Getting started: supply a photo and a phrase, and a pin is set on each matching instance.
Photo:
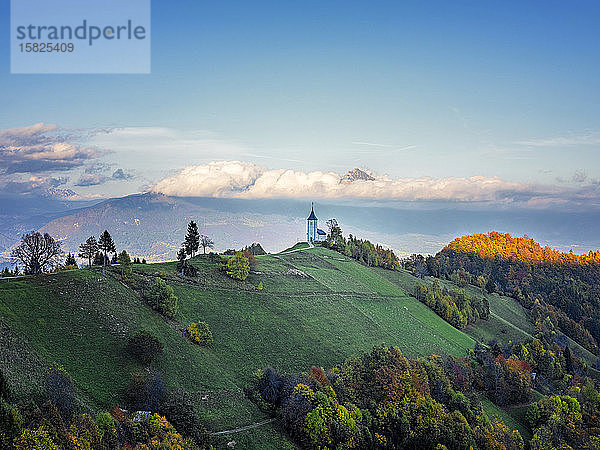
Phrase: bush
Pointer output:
(144, 347)
(238, 267)
(105, 423)
(162, 298)
(186, 269)
(178, 408)
(200, 333)
(251, 259)
(145, 392)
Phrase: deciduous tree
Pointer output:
(238, 267)
(37, 252)
(125, 263)
(88, 249)
(206, 242)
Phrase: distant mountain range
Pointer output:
(153, 225)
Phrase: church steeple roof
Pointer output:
(312, 213)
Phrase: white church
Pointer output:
(313, 233)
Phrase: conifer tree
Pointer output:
(70, 260)
(107, 245)
(192, 239)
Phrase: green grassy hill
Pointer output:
(317, 308)
(508, 321)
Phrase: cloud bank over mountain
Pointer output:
(238, 179)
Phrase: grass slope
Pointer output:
(508, 321)
(317, 308)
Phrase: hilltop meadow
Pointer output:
(296, 329)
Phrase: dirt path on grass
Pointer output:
(247, 427)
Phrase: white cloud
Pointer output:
(248, 180)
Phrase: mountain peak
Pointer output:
(355, 175)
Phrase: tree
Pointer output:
(192, 239)
(335, 239)
(251, 259)
(106, 245)
(181, 255)
(568, 360)
(331, 225)
(125, 263)
(144, 347)
(70, 260)
(35, 439)
(184, 268)
(145, 391)
(256, 249)
(161, 298)
(238, 267)
(98, 259)
(37, 252)
(206, 242)
(200, 333)
(178, 407)
(88, 249)
(490, 286)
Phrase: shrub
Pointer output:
(145, 391)
(251, 259)
(105, 423)
(162, 298)
(144, 346)
(200, 333)
(238, 267)
(186, 269)
(178, 408)
(260, 286)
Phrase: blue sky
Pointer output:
(405, 89)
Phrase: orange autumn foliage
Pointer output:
(522, 249)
